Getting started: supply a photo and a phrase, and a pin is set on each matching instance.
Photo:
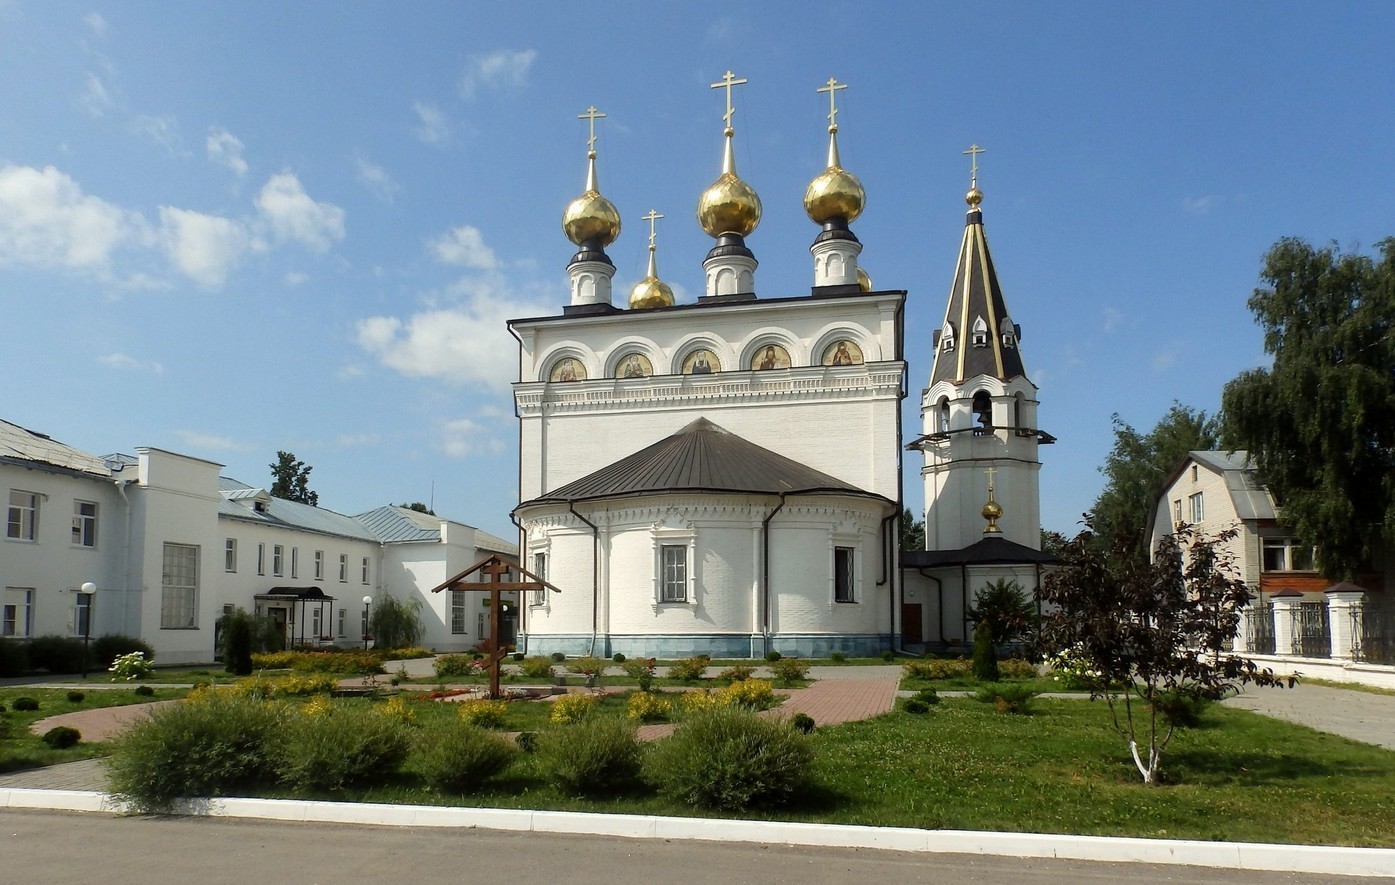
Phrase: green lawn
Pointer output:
(20, 749)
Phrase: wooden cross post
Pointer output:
(496, 570)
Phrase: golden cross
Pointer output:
(973, 152)
(831, 88)
(728, 80)
(652, 217)
(990, 471)
(591, 115)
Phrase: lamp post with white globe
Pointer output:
(89, 592)
(367, 602)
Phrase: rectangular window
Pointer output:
(457, 611)
(673, 573)
(843, 574)
(16, 617)
(22, 523)
(365, 570)
(319, 565)
(363, 622)
(82, 614)
(84, 524)
(316, 622)
(540, 570)
(277, 556)
(261, 559)
(179, 587)
(1198, 510)
(1177, 511)
(343, 622)
(482, 626)
(1287, 555)
(295, 562)
(230, 555)
(343, 568)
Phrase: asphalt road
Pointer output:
(56, 848)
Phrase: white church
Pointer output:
(725, 477)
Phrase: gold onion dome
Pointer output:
(834, 193)
(591, 219)
(864, 282)
(973, 197)
(730, 205)
(651, 291)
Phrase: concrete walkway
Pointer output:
(1360, 715)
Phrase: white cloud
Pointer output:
(464, 247)
(1113, 319)
(47, 221)
(95, 23)
(122, 361)
(225, 149)
(1200, 205)
(376, 179)
(462, 438)
(205, 441)
(349, 371)
(466, 344)
(498, 70)
(161, 131)
(1165, 358)
(293, 215)
(294, 278)
(433, 128)
(96, 98)
(203, 247)
(348, 441)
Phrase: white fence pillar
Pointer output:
(1342, 600)
(1286, 604)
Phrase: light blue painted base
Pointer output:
(716, 645)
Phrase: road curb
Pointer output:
(1254, 856)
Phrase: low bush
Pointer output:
(589, 665)
(689, 669)
(803, 722)
(295, 685)
(341, 662)
(929, 696)
(527, 741)
(409, 653)
(350, 745)
(888, 656)
(76, 697)
(1006, 697)
(789, 671)
(14, 658)
(597, 756)
(645, 706)
(24, 705)
(145, 691)
(736, 673)
(236, 640)
(57, 654)
(110, 646)
(558, 657)
(447, 666)
(837, 657)
(772, 656)
(61, 737)
(461, 759)
(985, 653)
(916, 707)
(755, 694)
(937, 668)
(618, 658)
(642, 671)
(517, 656)
(730, 759)
(396, 708)
(130, 667)
(536, 667)
(483, 713)
(210, 745)
(1016, 668)
(572, 708)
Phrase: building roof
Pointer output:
(1250, 497)
(991, 550)
(976, 296)
(393, 524)
(702, 457)
(20, 445)
(291, 514)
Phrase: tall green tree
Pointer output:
(1137, 468)
(912, 531)
(291, 480)
(418, 507)
(1320, 422)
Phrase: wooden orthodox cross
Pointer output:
(495, 572)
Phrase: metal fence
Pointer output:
(1261, 629)
(1373, 630)
(1312, 631)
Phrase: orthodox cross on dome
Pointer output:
(652, 217)
(832, 88)
(990, 472)
(591, 116)
(973, 152)
(728, 80)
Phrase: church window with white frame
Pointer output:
(673, 573)
(457, 612)
(179, 587)
(539, 597)
(844, 583)
(980, 337)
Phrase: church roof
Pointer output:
(992, 550)
(702, 457)
(976, 305)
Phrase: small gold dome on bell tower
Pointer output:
(651, 291)
(591, 219)
(730, 205)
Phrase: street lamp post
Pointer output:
(89, 590)
(367, 602)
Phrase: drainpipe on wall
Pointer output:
(765, 570)
(595, 575)
(522, 562)
(890, 546)
(126, 563)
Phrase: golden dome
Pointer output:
(591, 218)
(650, 292)
(730, 205)
(991, 510)
(835, 192)
(973, 197)
(864, 282)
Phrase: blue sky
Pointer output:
(228, 229)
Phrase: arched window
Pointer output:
(980, 332)
(983, 409)
(1017, 411)
(947, 336)
(944, 414)
(1009, 333)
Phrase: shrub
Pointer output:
(888, 656)
(597, 756)
(406, 654)
(1016, 668)
(483, 713)
(803, 722)
(350, 745)
(572, 708)
(1181, 709)
(62, 737)
(294, 685)
(985, 654)
(518, 656)
(928, 696)
(736, 673)
(558, 657)
(397, 623)
(937, 668)
(837, 657)
(14, 658)
(56, 654)
(589, 665)
(642, 671)
(646, 706)
(461, 759)
(916, 706)
(527, 741)
(618, 658)
(130, 667)
(25, 705)
(76, 697)
(536, 667)
(145, 691)
(110, 646)
(789, 671)
(1007, 697)
(696, 701)
(689, 669)
(772, 656)
(756, 694)
(731, 759)
(396, 708)
(236, 639)
(342, 662)
(206, 746)
(447, 666)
